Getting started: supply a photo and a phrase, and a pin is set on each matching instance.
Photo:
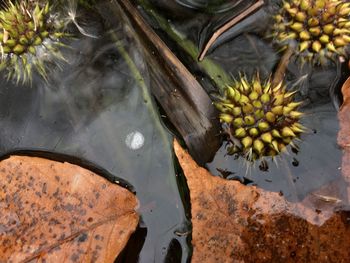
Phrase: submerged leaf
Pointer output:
(53, 211)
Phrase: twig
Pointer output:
(228, 25)
(282, 67)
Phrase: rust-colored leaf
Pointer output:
(344, 117)
(59, 212)
(237, 223)
(344, 133)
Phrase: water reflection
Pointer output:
(89, 110)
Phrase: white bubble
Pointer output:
(135, 140)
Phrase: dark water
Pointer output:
(94, 112)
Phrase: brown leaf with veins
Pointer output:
(59, 212)
(237, 223)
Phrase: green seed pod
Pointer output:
(266, 137)
(248, 108)
(244, 99)
(254, 132)
(10, 43)
(230, 92)
(328, 29)
(316, 46)
(278, 110)
(253, 95)
(259, 114)
(238, 122)
(296, 129)
(237, 96)
(32, 50)
(297, 26)
(263, 126)
(23, 41)
(300, 16)
(257, 104)
(44, 34)
(304, 45)
(237, 111)
(247, 142)
(286, 110)
(339, 42)
(275, 133)
(274, 145)
(313, 21)
(324, 39)
(258, 146)
(249, 120)
(294, 105)
(295, 114)
(37, 41)
(240, 133)
(304, 5)
(279, 98)
(270, 117)
(265, 98)
(287, 132)
(226, 118)
(18, 49)
(260, 125)
(304, 35)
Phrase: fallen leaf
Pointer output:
(59, 212)
(344, 134)
(344, 116)
(237, 223)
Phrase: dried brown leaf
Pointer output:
(237, 223)
(59, 212)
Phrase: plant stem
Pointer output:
(214, 71)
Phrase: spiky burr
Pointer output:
(316, 29)
(261, 120)
(30, 36)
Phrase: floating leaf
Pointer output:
(52, 211)
(237, 223)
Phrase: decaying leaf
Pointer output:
(59, 212)
(344, 132)
(344, 117)
(237, 223)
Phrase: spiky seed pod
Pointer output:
(317, 29)
(30, 36)
(264, 128)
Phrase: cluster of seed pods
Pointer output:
(262, 120)
(24, 26)
(318, 29)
